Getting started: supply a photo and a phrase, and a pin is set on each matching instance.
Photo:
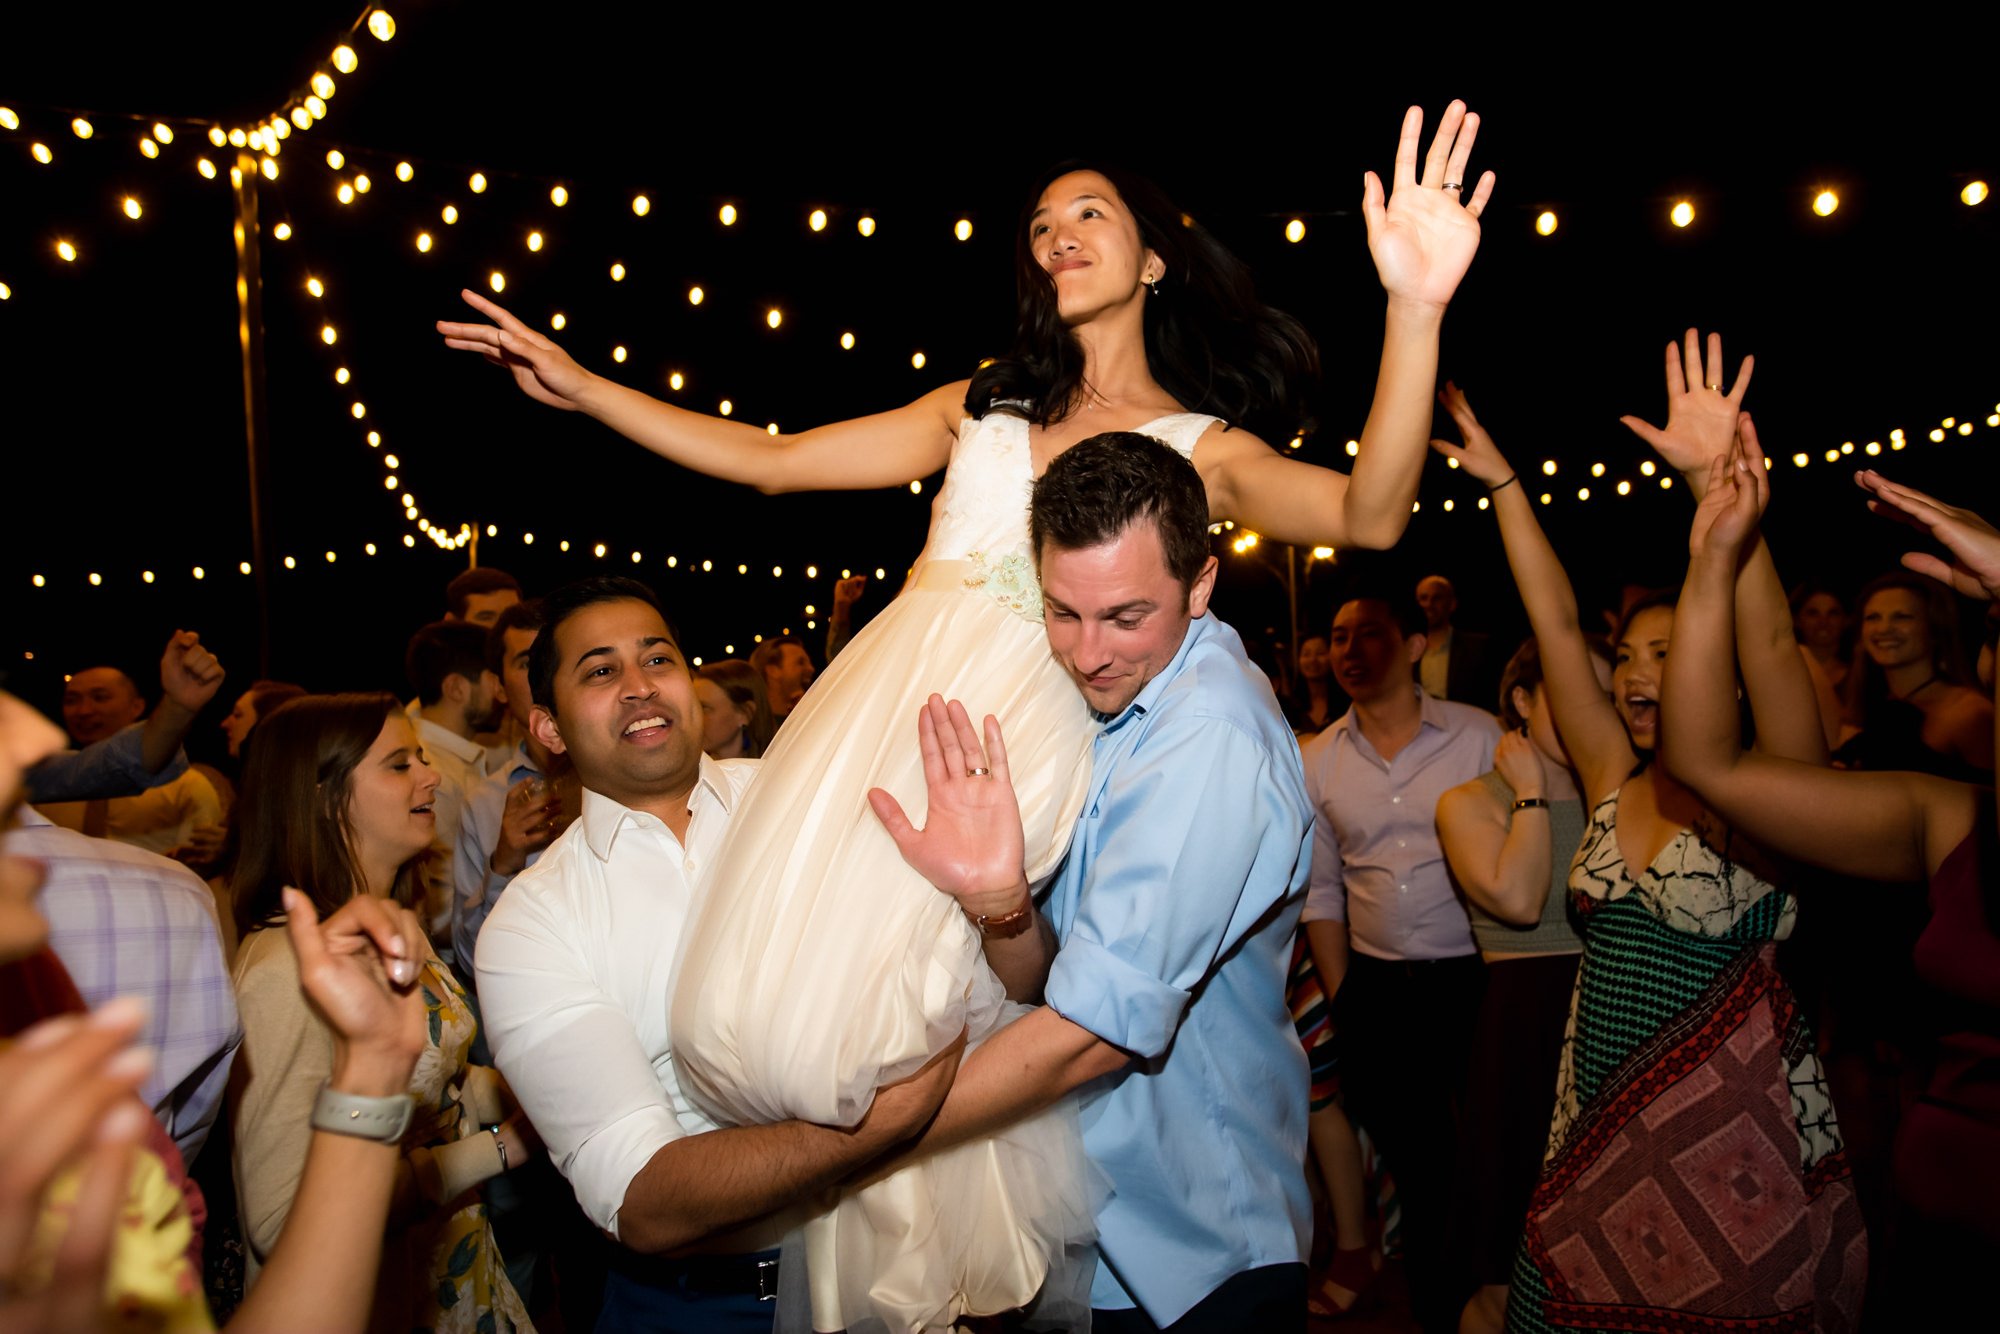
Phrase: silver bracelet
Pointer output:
(499, 1144)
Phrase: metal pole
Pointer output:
(256, 425)
(1292, 599)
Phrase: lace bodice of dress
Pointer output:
(983, 506)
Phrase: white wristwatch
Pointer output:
(381, 1119)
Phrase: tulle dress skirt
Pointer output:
(819, 966)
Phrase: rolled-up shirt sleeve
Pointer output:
(1199, 838)
(113, 767)
(571, 1056)
(1326, 898)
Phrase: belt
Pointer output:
(753, 1273)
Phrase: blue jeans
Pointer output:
(694, 1294)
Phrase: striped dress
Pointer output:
(1695, 1177)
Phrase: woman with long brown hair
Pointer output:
(337, 803)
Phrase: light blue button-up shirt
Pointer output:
(1175, 911)
(476, 884)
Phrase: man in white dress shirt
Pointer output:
(575, 978)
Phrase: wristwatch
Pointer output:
(380, 1119)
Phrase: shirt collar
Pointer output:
(1430, 713)
(603, 816)
(463, 749)
(1199, 628)
(524, 765)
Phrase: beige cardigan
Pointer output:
(287, 1055)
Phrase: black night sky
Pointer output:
(124, 416)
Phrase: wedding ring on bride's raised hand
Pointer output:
(1454, 185)
(977, 773)
(1716, 387)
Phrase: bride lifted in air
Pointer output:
(818, 966)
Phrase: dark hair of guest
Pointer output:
(567, 601)
(479, 581)
(441, 649)
(1524, 672)
(1210, 342)
(291, 821)
(1098, 487)
(513, 616)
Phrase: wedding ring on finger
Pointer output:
(977, 773)
(1454, 185)
(1716, 387)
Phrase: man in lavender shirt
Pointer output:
(1388, 932)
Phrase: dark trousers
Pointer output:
(1405, 1033)
(695, 1294)
(1271, 1300)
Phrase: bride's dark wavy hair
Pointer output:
(1209, 341)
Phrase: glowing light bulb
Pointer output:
(358, 411)
(316, 108)
(557, 321)
(1825, 202)
(381, 26)
(345, 194)
(1484, 502)
(559, 196)
(728, 215)
(449, 214)
(497, 281)
(96, 579)
(318, 288)
(847, 341)
(1874, 448)
(269, 166)
(1546, 498)
(812, 572)
(131, 208)
(726, 407)
(1583, 493)
(916, 488)
(302, 118)
(1683, 214)
(408, 540)
(344, 59)
(1546, 224)
(322, 84)
(962, 229)
(238, 139)
(817, 220)
(42, 155)
(1295, 230)
(391, 461)
(534, 240)
(1597, 470)
(423, 243)
(477, 183)
(328, 335)
(200, 573)
(1353, 448)
(597, 550)
(82, 128)
(617, 273)
(1666, 484)
(1801, 460)
(618, 354)
(1447, 507)
(291, 564)
(774, 317)
(368, 547)
(1937, 436)
(66, 251)
(1648, 468)
(641, 205)
(6, 292)
(771, 429)
(218, 136)
(1548, 467)
(362, 184)
(9, 121)
(375, 441)
(695, 295)
(1974, 193)
(916, 361)
(1965, 428)
(676, 380)
(283, 231)
(389, 482)
(1624, 488)
(148, 148)
(405, 172)
(527, 539)
(243, 567)
(866, 226)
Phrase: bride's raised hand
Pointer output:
(1424, 236)
(1478, 455)
(1701, 417)
(544, 371)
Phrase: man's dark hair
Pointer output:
(519, 616)
(566, 602)
(476, 582)
(766, 655)
(1403, 607)
(441, 649)
(1098, 487)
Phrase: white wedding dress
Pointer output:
(819, 966)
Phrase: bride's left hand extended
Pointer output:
(971, 845)
(1423, 238)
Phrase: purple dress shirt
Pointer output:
(1376, 861)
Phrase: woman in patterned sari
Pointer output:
(1695, 1177)
(337, 801)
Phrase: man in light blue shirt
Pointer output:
(1162, 946)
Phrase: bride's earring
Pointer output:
(1153, 285)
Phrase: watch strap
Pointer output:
(1532, 804)
(380, 1119)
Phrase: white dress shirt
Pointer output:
(575, 969)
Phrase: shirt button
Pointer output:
(1402, 889)
(1395, 801)
(1401, 844)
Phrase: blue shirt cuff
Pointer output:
(1125, 1006)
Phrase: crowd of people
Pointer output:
(1030, 957)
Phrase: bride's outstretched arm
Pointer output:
(1422, 238)
(886, 449)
